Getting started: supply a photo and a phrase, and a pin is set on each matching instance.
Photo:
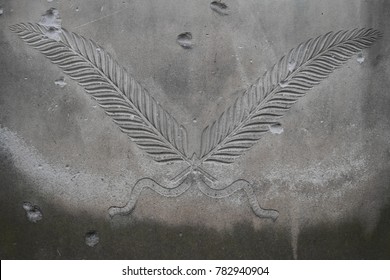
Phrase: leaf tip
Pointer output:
(14, 27)
(379, 34)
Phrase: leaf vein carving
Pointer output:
(272, 95)
(131, 107)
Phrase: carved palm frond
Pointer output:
(132, 108)
(252, 114)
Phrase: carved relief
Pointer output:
(156, 132)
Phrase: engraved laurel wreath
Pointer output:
(156, 132)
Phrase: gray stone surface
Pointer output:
(325, 168)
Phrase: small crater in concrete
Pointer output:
(1, 11)
(53, 33)
(51, 18)
(27, 206)
(92, 238)
(60, 82)
(283, 84)
(360, 58)
(276, 128)
(52, 21)
(33, 213)
(185, 40)
(291, 65)
(219, 7)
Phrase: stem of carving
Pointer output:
(179, 189)
(235, 187)
(190, 169)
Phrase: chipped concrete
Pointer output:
(325, 167)
(33, 213)
(219, 7)
(185, 40)
(60, 82)
(92, 238)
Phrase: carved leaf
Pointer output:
(252, 114)
(132, 108)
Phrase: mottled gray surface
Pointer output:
(326, 172)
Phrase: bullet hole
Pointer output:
(33, 213)
(185, 40)
(276, 128)
(60, 82)
(219, 7)
(360, 58)
(92, 238)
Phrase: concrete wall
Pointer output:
(327, 173)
